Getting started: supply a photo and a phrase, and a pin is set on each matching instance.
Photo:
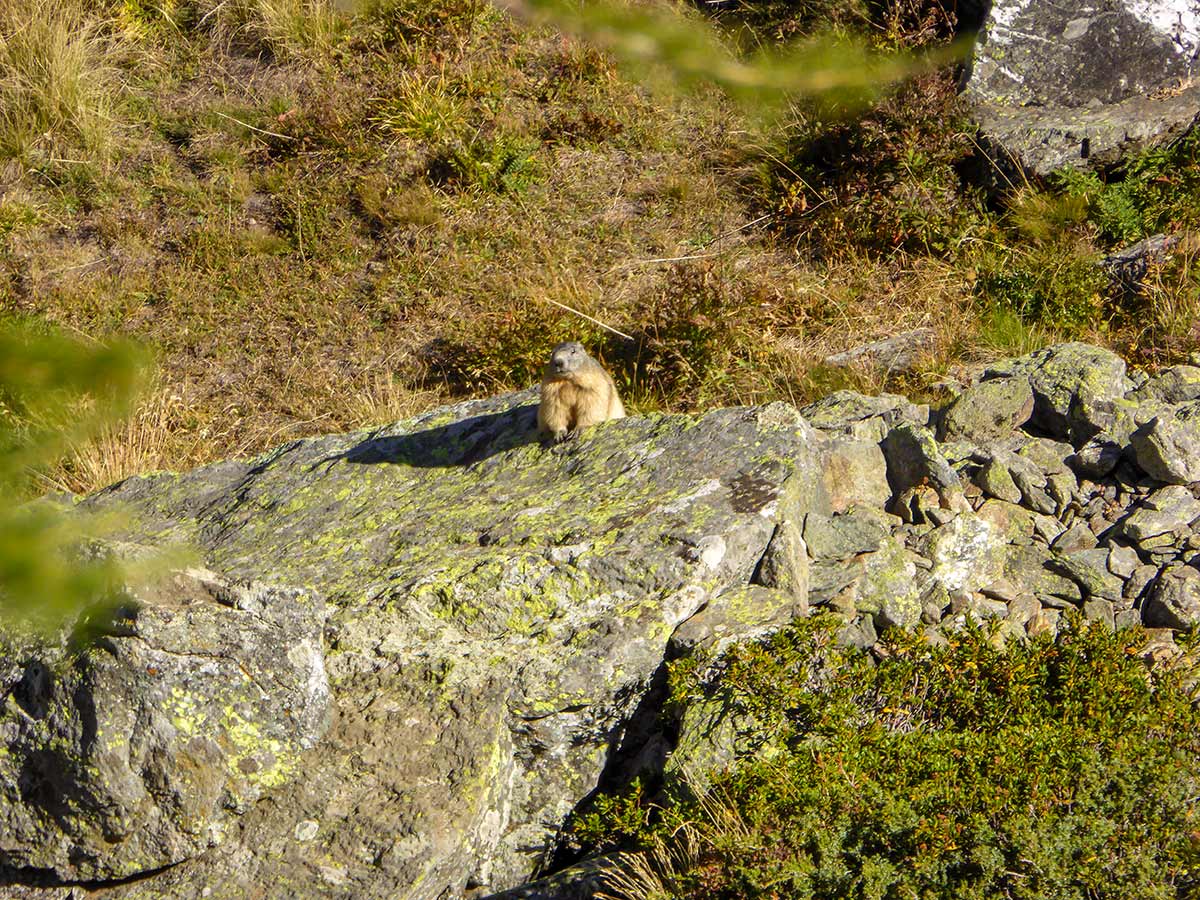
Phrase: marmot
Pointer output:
(576, 393)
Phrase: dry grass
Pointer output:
(321, 223)
(155, 436)
(57, 82)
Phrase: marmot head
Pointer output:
(567, 357)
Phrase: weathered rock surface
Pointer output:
(499, 611)
(132, 755)
(1058, 84)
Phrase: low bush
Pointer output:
(1045, 769)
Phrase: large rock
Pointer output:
(501, 611)
(1059, 84)
(1168, 446)
(1077, 388)
(135, 753)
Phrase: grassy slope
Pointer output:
(320, 222)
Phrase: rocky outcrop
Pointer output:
(500, 613)
(499, 617)
(199, 698)
(1057, 84)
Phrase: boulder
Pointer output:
(1074, 388)
(1174, 599)
(136, 752)
(500, 611)
(988, 411)
(1167, 448)
(1058, 84)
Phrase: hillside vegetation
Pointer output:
(321, 218)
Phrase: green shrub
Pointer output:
(1156, 191)
(1050, 769)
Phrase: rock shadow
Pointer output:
(459, 443)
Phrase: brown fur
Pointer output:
(576, 393)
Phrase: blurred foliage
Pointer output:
(54, 392)
(837, 68)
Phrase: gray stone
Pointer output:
(1126, 619)
(1070, 382)
(1122, 561)
(900, 353)
(1045, 622)
(966, 552)
(137, 753)
(843, 536)
(1098, 457)
(889, 588)
(988, 411)
(1174, 599)
(1165, 512)
(1178, 384)
(995, 479)
(1057, 85)
(1078, 537)
(1031, 569)
(735, 616)
(1139, 581)
(855, 474)
(785, 566)
(914, 459)
(1167, 448)
(847, 414)
(1099, 612)
(1088, 569)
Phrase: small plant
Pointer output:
(501, 164)
(424, 108)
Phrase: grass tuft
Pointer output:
(57, 83)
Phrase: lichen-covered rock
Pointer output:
(735, 616)
(848, 414)
(1178, 384)
(1074, 388)
(1061, 84)
(988, 411)
(855, 474)
(1168, 511)
(500, 610)
(1174, 599)
(1168, 446)
(843, 536)
(784, 565)
(967, 553)
(888, 588)
(133, 754)
(914, 460)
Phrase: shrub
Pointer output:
(1048, 769)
